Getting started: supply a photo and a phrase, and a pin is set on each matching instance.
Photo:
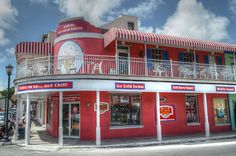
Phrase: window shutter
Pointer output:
(219, 60)
(197, 58)
(165, 55)
(149, 57)
(206, 59)
(181, 57)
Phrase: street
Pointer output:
(210, 148)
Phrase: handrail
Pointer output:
(123, 66)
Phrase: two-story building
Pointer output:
(146, 84)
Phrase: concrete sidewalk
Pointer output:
(40, 140)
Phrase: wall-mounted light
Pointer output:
(87, 104)
(157, 46)
(123, 42)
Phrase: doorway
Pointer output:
(71, 120)
(123, 60)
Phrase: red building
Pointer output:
(147, 85)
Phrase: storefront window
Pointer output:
(125, 110)
(220, 106)
(191, 109)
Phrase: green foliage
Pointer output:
(3, 94)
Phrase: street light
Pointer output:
(9, 70)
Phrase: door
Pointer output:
(123, 60)
(71, 120)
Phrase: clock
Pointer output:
(70, 57)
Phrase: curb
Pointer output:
(124, 145)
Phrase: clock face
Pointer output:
(70, 57)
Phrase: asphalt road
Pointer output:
(212, 148)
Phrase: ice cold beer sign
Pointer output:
(133, 86)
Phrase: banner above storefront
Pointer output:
(123, 86)
(45, 86)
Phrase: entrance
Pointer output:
(71, 120)
(123, 60)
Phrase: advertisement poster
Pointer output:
(167, 112)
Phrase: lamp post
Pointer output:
(9, 70)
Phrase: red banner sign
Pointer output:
(183, 87)
(70, 27)
(43, 86)
(167, 113)
(138, 86)
(67, 98)
(225, 89)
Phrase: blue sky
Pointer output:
(27, 20)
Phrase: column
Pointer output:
(207, 129)
(98, 128)
(60, 137)
(27, 124)
(159, 134)
(146, 61)
(16, 134)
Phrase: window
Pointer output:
(125, 110)
(130, 25)
(188, 57)
(220, 106)
(191, 109)
(157, 54)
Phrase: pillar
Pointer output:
(98, 128)
(16, 134)
(60, 119)
(159, 134)
(27, 124)
(207, 129)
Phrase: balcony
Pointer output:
(126, 67)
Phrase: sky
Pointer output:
(27, 20)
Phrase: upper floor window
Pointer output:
(188, 57)
(157, 54)
(130, 25)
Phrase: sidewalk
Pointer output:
(40, 140)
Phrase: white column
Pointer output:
(60, 119)
(159, 134)
(207, 129)
(146, 61)
(98, 129)
(17, 118)
(27, 124)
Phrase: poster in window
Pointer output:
(221, 110)
(167, 112)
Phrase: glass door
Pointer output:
(75, 120)
(71, 120)
(123, 60)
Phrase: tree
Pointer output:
(3, 94)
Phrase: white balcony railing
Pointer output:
(123, 66)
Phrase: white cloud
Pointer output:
(192, 20)
(10, 52)
(93, 10)
(39, 1)
(7, 18)
(232, 6)
(144, 9)
(3, 39)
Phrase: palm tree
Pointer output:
(3, 94)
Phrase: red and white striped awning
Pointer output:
(40, 48)
(136, 36)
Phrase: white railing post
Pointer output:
(171, 68)
(216, 77)
(26, 64)
(234, 72)
(49, 64)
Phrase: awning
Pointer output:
(40, 48)
(151, 38)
